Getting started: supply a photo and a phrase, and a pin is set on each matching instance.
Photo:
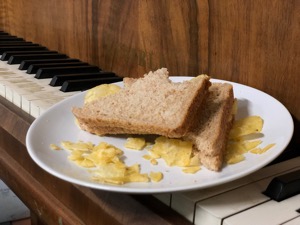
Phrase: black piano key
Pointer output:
(284, 186)
(3, 33)
(51, 72)
(58, 80)
(6, 55)
(12, 42)
(26, 63)
(17, 43)
(84, 84)
(32, 69)
(9, 38)
(17, 59)
(21, 48)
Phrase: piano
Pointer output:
(72, 47)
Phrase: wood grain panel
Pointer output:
(127, 37)
(248, 41)
(257, 43)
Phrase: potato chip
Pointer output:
(135, 143)
(100, 91)
(79, 146)
(241, 147)
(85, 163)
(235, 159)
(105, 159)
(154, 155)
(76, 155)
(191, 169)
(175, 152)
(268, 147)
(147, 157)
(110, 173)
(55, 147)
(241, 139)
(156, 176)
(153, 162)
(137, 177)
(262, 150)
(245, 126)
(195, 161)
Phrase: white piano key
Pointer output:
(185, 202)
(214, 210)
(2, 90)
(294, 221)
(25, 91)
(271, 212)
(30, 102)
(37, 107)
(9, 93)
(5, 73)
(15, 90)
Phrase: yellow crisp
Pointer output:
(191, 169)
(76, 155)
(147, 157)
(79, 146)
(262, 150)
(110, 173)
(175, 152)
(154, 155)
(55, 147)
(104, 153)
(156, 176)
(105, 159)
(245, 126)
(153, 162)
(235, 159)
(135, 143)
(241, 147)
(100, 91)
(195, 161)
(133, 174)
(268, 147)
(85, 163)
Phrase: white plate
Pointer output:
(57, 124)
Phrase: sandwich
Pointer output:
(194, 110)
(210, 130)
(149, 105)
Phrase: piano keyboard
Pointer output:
(241, 202)
(34, 78)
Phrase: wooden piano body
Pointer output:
(250, 42)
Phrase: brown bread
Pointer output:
(209, 133)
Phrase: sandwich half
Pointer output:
(210, 131)
(149, 105)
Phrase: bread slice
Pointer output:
(210, 131)
(149, 105)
